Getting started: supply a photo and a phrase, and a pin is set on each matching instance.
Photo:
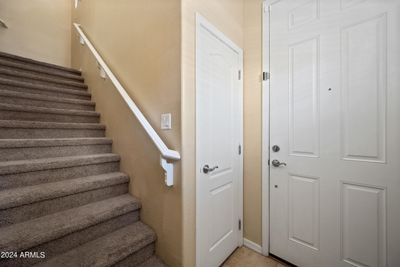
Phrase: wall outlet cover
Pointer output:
(166, 121)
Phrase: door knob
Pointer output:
(207, 169)
(277, 163)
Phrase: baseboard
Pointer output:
(251, 245)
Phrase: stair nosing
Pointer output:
(41, 97)
(155, 259)
(20, 124)
(31, 165)
(10, 73)
(53, 142)
(28, 234)
(16, 197)
(57, 73)
(42, 87)
(38, 62)
(46, 110)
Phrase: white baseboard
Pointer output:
(251, 245)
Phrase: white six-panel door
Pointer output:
(218, 141)
(335, 114)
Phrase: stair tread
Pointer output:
(40, 78)
(106, 250)
(20, 166)
(25, 235)
(45, 97)
(16, 197)
(49, 125)
(18, 143)
(37, 62)
(35, 109)
(43, 87)
(54, 72)
(153, 261)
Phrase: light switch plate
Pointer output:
(166, 121)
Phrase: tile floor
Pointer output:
(244, 257)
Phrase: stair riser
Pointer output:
(25, 153)
(44, 103)
(75, 239)
(21, 133)
(50, 74)
(138, 257)
(59, 94)
(49, 117)
(34, 210)
(54, 175)
(36, 65)
(57, 82)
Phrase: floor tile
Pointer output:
(244, 257)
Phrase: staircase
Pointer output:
(61, 191)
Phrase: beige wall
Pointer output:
(227, 16)
(140, 40)
(38, 29)
(252, 119)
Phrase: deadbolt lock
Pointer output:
(276, 148)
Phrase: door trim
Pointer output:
(203, 22)
(265, 212)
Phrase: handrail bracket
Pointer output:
(169, 171)
(3, 24)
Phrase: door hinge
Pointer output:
(240, 224)
(267, 8)
(240, 74)
(266, 76)
(240, 150)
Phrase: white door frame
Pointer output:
(202, 22)
(265, 128)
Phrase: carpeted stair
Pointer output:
(61, 191)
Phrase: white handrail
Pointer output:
(2, 23)
(166, 153)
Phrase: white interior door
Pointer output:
(219, 135)
(335, 114)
